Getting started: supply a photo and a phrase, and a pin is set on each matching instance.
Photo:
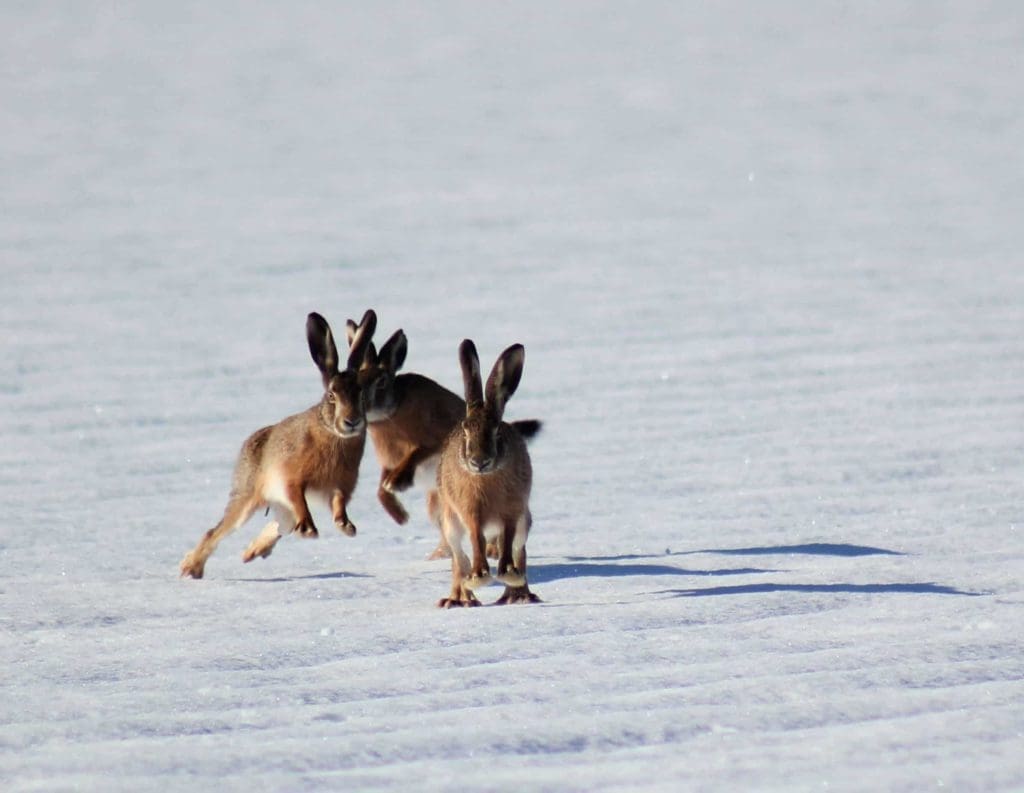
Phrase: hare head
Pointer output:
(482, 451)
(378, 371)
(342, 406)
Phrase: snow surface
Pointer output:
(766, 262)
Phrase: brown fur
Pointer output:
(410, 417)
(318, 451)
(484, 478)
(425, 413)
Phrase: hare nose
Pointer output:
(352, 424)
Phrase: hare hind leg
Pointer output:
(263, 543)
(442, 551)
(237, 512)
(460, 595)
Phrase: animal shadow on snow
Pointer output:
(541, 573)
(611, 566)
(927, 588)
(307, 577)
(810, 549)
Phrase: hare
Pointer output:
(409, 418)
(315, 451)
(483, 478)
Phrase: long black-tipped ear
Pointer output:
(470, 363)
(361, 339)
(504, 379)
(392, 354)
(321, 346)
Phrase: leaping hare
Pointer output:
(316, 451)
(484, 479)
(409, 418)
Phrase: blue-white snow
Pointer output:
(766, 262)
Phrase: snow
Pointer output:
(765, 260)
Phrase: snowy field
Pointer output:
(766, 261)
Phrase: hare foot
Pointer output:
(518, 594)
(263, 544)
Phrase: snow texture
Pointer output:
(766, 262)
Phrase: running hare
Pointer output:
(484, 478)
(409, 417)
(316, 451)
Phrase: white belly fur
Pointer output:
(274, 493)
(426, 473)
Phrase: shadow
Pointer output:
(309, 577)
(856, 589)
(811, 549)
(542, 573)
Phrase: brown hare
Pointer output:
(317, 452)
(483, 478)
(409, 418)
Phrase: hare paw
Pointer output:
(191, 567)
(468, 601)
(263, 544)
(346, 527)
(511, 577)
(518, 594)
(478, 579)
(392, 506)
(397, 483)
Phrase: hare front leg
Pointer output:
(460, 594)
(402, 475)
(508, 571)
(519, 593)
(389, 500)
(295, 501)
(341, 519)
(480, 574)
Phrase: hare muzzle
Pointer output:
(480, 465)
(351, 427)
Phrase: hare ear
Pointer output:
(504, 379)
(321, 346)
(470, 363)
(370, 359)
(392, 354)
(361, 340)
